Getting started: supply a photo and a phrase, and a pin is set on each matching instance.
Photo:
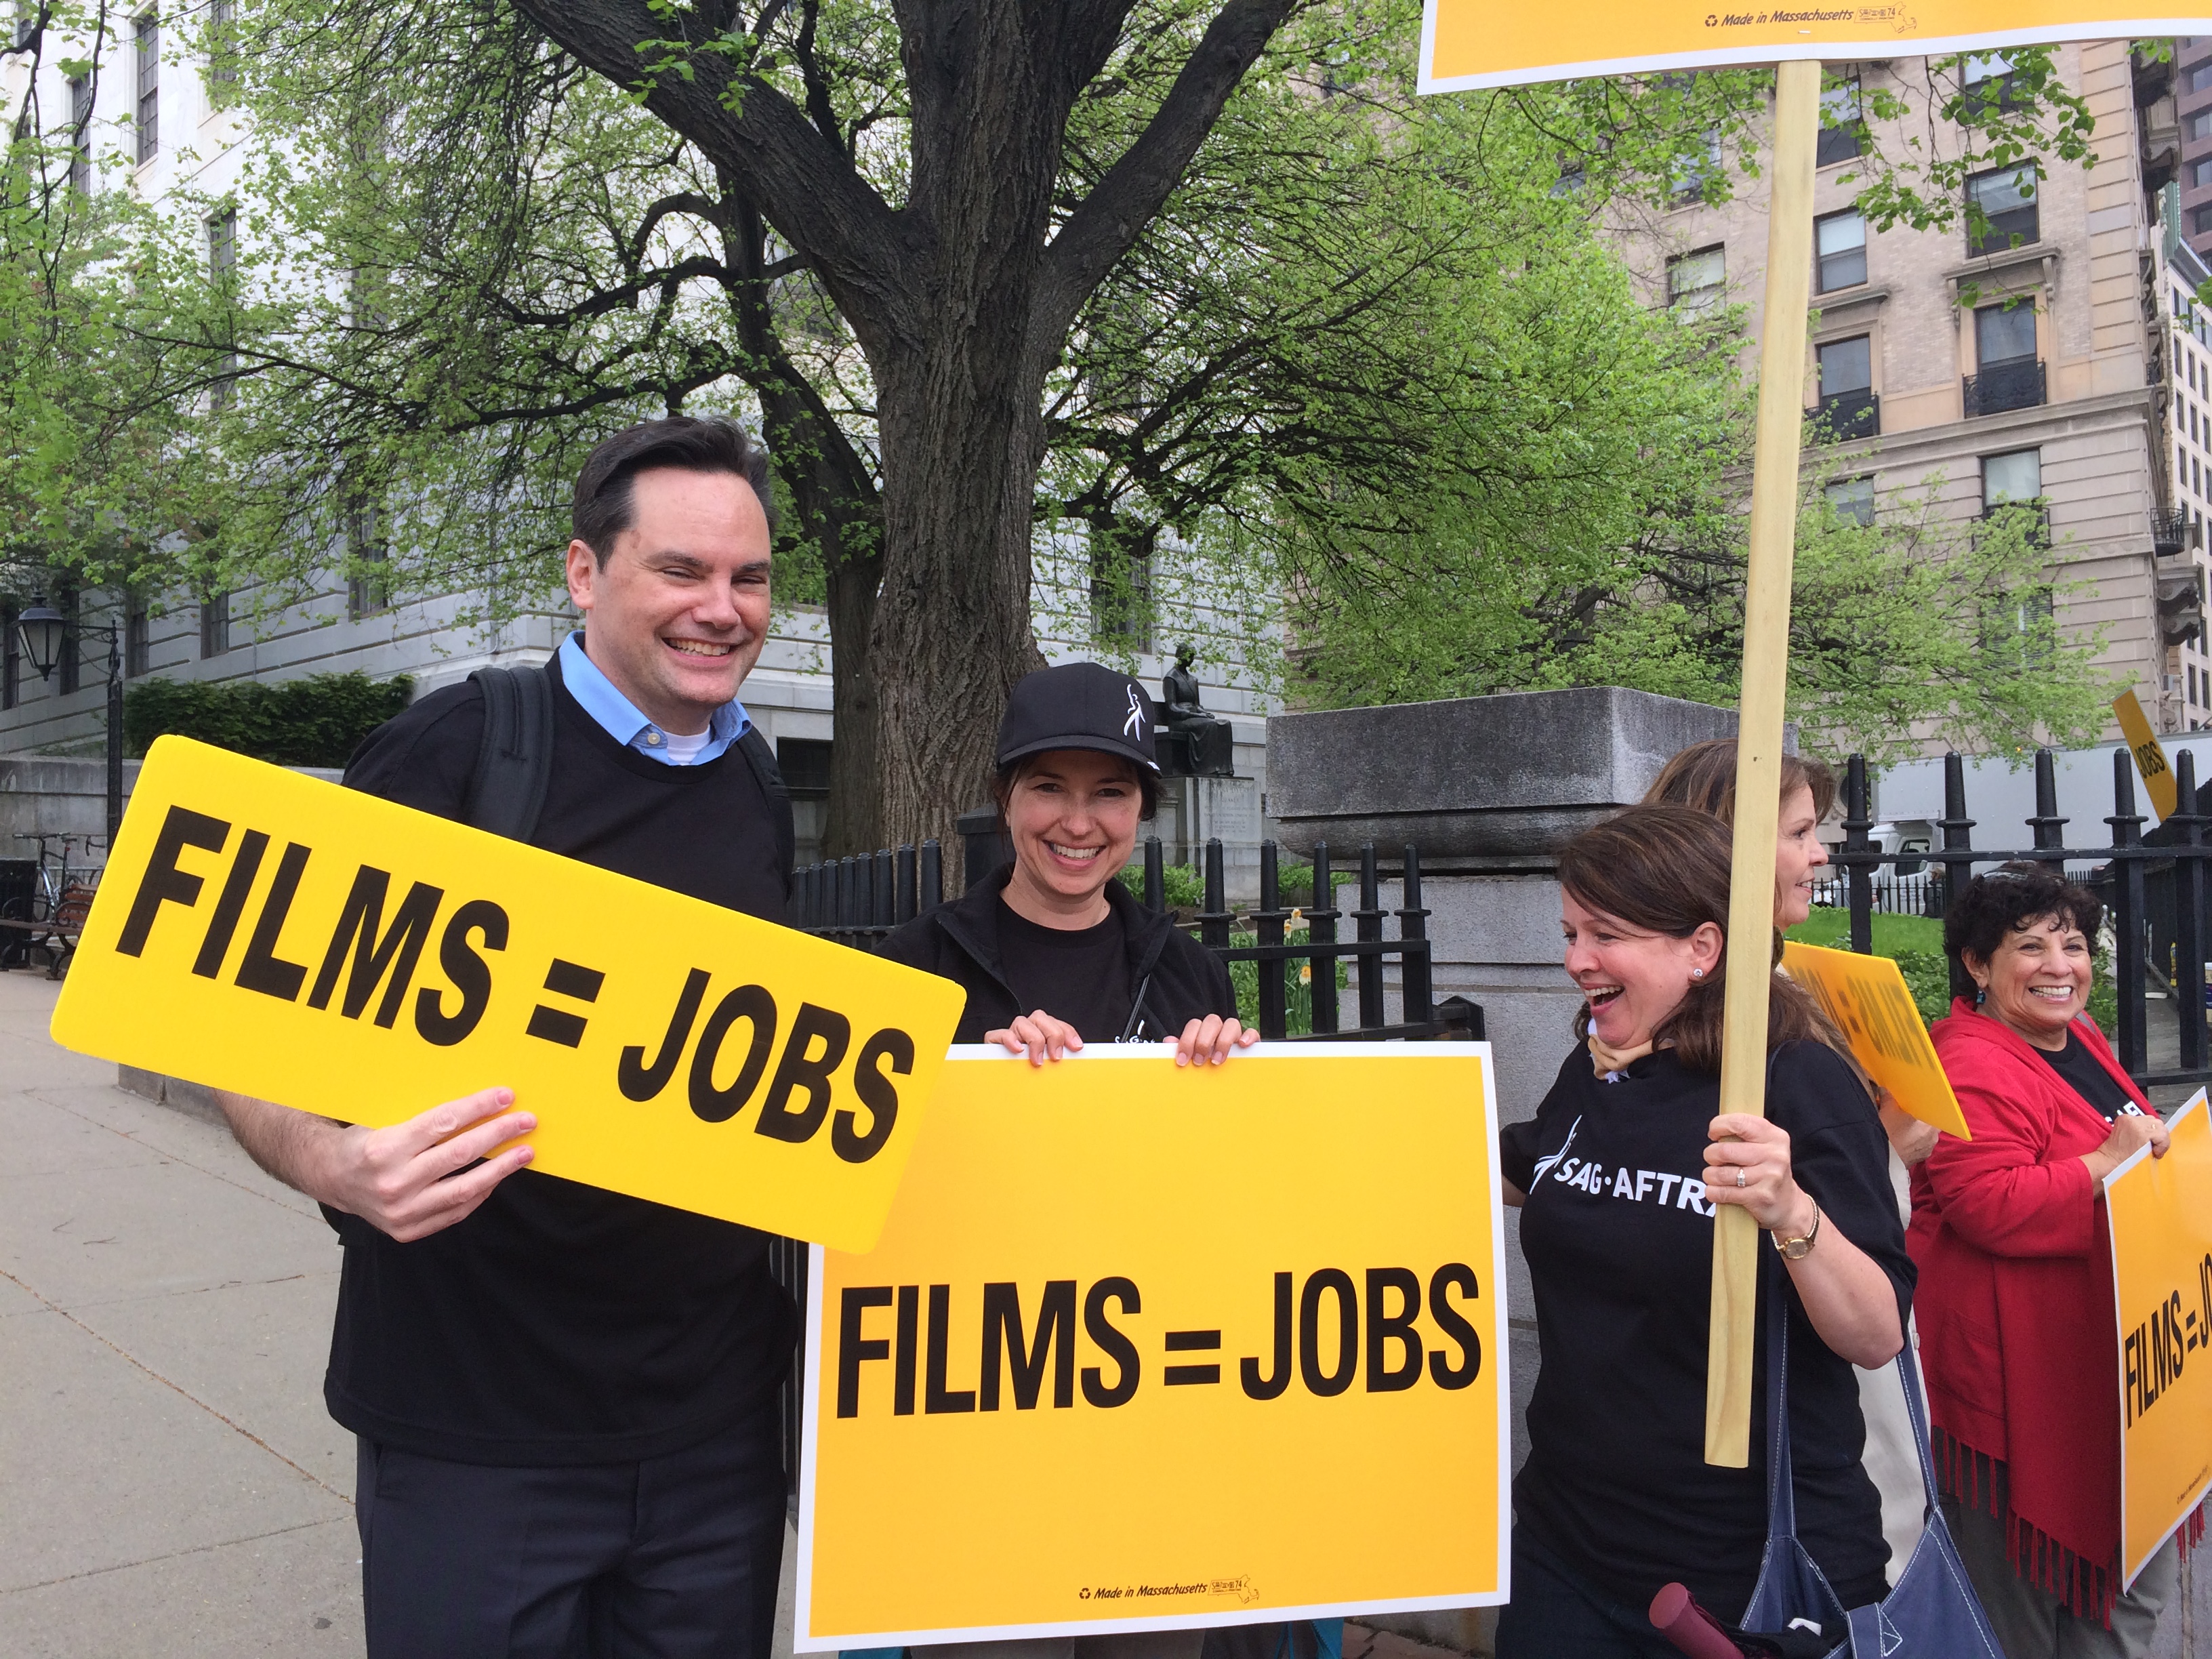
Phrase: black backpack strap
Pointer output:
(762, 759)
(515, 759)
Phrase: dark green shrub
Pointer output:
(315, 721)
(1185, 888)
(1928, 976)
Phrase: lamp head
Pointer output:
(44, 631)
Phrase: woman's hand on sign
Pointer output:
(414, 1179)
(2130, 1133)
(1210, 1041)
(1040, 1035)
(1747, 1162)
(1912, 1138)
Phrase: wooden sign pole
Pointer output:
(1759, 734)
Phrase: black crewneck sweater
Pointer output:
(561, 1324)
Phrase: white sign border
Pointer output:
(803, 1640)
(1750, 56)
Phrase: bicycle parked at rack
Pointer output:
(50, 917)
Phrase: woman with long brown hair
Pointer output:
(1703, 777)
(1620, 1176)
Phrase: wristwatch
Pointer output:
(1796, 1250)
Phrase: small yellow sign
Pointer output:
(1867, 998)
(1470, 43)
(1135, 1332)
(2150, 755)
(277, 936)
(2161, 1220)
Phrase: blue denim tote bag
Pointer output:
(1932, 1613)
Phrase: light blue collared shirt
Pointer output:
(620, 719)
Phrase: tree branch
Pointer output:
(1110, 220)
(853, 241)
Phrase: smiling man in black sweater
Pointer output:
(565, 1399)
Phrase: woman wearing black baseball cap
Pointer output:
(1051, 948)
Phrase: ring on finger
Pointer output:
(1739, 1175)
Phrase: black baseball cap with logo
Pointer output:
(1079, 705)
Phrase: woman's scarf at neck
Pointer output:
(1605, 1061)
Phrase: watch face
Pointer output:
(1797, 1249)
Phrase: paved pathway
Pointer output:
(170, 1483)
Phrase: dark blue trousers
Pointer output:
(668, 1559)
(1555, 1615)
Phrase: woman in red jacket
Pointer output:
(2015, 1300)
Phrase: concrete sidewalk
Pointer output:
(170, 1483)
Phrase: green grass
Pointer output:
(1892, 934)
(1916, 944)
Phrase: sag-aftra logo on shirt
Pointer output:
(1637, 1186)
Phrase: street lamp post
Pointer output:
(46, 634)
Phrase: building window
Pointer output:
(2200, 219)
(149, 123)
(223, 244)
(1839, 246)
(2197, 77)
(2014, 475)
(1696, 281)
(214, 624)
(1839, 123)
(1988, 85)
(222, 261)
(221, 50)
(2200, 174)
(2007, 373)
(804, 763)
(2007, 200)
(1847, 366)
(80, 90)
(1694, 172)
(1852, 499)
(2004, 333)
(138, 636)
(368, 578)
(2198, 127)
(1847, 406)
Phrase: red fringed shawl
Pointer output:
(2015, 1309)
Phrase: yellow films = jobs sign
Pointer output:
(1135, 1335)
(2157, 773)
(277, 936)
(2161, 1218)
(1473, 43)
(1867, 998)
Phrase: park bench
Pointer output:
(56, 935)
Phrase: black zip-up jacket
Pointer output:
(1177, 979)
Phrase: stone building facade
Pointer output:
(2033, 367)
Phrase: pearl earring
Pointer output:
(1697, 973)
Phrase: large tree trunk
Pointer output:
(959, 399)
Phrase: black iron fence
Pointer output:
(2155, 886)
(858, 901)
